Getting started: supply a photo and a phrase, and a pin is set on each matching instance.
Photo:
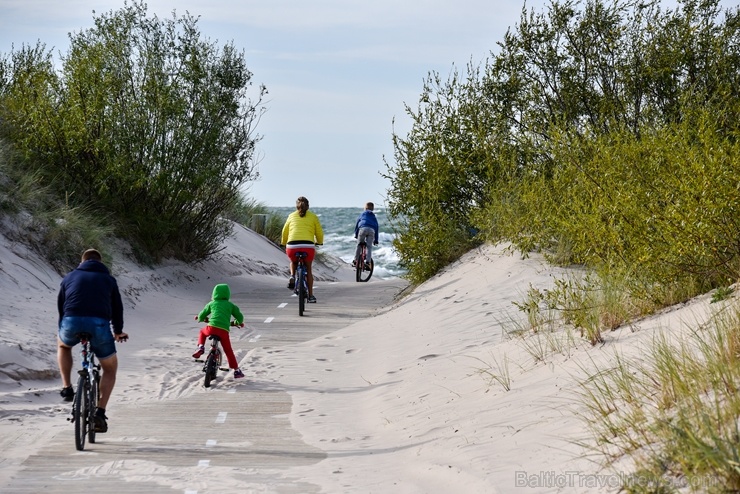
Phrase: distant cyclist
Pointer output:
(89, 301)
(302, 232)
(366, 230)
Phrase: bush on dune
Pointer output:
(145, 122)
(604, 137)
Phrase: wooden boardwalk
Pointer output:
(229, 439)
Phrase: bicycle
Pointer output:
(363, 268)
(87, 396)
(212, 362)
(301, 286)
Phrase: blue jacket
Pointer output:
(367, 219)
(91, 291)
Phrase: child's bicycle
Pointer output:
(363, 267)
(212, 362)
(87, 395)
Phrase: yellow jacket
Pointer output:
(306, 229)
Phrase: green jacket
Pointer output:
(219, 310)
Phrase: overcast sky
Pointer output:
(338, 73)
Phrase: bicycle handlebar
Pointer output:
(232, 323)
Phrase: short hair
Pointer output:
(369, 206)
(91, 254)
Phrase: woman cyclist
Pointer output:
(302, 233)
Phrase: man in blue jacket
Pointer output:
(366, 230)
(89, 301)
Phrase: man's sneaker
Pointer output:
(199, 352)
(68, 394)
(354, 263)
(291, 283)
(367, 266)
(100, 421)
(238, 373)
(311, 299)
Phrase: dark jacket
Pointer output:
(367, 219)
(91, 291)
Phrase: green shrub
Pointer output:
(244, 210)
(145, 121)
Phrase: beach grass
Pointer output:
(667, 413)
(673, 409)
(495, 370)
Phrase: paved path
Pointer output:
(242, 443)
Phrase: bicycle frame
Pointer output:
(363, 274)
(213, 361)
(301, 287)
(87, 395)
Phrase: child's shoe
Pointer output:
(199, 352)
(238, 373)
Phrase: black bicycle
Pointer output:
(87, 396)
(363, 267)
(212, 362)
(301, 285)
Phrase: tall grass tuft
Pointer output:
(496, 371)
(590, 303)
(36, 217)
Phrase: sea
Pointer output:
(339, 237)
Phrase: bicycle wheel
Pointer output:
(216, 364)
(80, 413)
(302, 290)
(211, 368)
(93, 394)
(367, 273)
(360, 264)
(363, 273)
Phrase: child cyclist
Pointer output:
(366, 230)
(218, 313)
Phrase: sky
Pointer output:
(339, 74)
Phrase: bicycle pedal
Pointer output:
(225, 369)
